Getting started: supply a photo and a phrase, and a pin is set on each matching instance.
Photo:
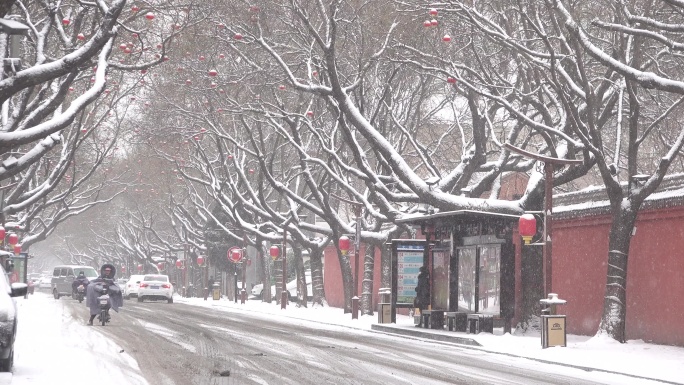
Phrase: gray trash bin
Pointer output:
(385, 307)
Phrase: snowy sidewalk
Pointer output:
(52, 348)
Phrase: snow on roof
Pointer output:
(594, 199)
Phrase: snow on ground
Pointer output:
(52, 348)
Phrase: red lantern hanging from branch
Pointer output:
(200, 260)
(160, 266)
(2, 234)
(17, 248)
(140, 267)
(179, 264)
(13, 239)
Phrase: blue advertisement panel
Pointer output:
(409, 261)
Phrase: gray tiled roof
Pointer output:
(594, 201)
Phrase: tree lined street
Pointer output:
(158, 135)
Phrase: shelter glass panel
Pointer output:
(467, 258)
(440, 279)
(490, 278)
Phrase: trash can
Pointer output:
(216, 292)
(385, 307)
(553, 331)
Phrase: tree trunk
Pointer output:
(347, 280)
(615, 300)
(317, 277)
(386, 266)
(302, 295)
(532, 278)
(367, 286)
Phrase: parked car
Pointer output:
(257, 290)
(155, 287)
(8, 319)
(63, 277)
(130, 288)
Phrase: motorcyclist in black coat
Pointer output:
(80, 280)
(106, 278)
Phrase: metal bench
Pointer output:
(432, 319)
(478, 323)
(457, 321)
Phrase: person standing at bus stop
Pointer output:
(422, 300)
(209, 288)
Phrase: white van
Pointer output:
(63, 276)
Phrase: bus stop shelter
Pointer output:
(470, 257)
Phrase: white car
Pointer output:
(291, 287)
(156, 287)
(45, 283)
(130, 289)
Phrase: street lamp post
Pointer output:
(357, 247)
(548, 206)
(283, 294)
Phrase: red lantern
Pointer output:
(2, 234)
(149, 16)
(179, 264)
(80, 36)
(17, 248)
(310, 114)
(200, 260)
(238, 36)
(13, 239)
(66, 21)
(213, 72)
(434, 23)
(123, 269)
(451, 80)
(160, 266)
(275, 252)
(140, 267)
(343, 244)
(433, 11)
(427, 24)
(135, 8)
(446, 38)
(527, 227)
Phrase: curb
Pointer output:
(426, 335)
(472, 344)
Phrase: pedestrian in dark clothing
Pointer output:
(209, 288)
(80, 280)
(422, 300)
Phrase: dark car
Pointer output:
(8, 318)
